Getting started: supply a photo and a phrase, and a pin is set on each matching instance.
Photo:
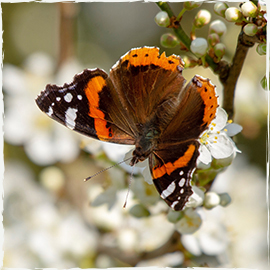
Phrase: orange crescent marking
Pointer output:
(169, 167)
(94, 86)
(209, 98)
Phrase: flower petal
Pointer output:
(221, 146)
(233, 129)
(220, 121)
(205, 156)
(190, 242)
(190, 223)
(196, 199)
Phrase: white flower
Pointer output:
(216, 142)
(212, 237)
(45, 225)
(196, 199)
(190, 222)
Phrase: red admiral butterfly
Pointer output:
(142, 102)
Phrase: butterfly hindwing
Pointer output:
(172, 170)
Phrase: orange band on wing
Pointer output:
(169, 167)
(94, 86)
(208, 94)
(147, 56)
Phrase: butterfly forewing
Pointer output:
(78, 106)
(145, 80)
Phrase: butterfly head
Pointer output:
(144, 147)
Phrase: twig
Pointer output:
(66, 31)
(173, 244)
(228, 74)
(181, 35)
(229, 80)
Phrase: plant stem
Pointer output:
(182, 36)
(229, 82)
(67, 12)
(181, 14)
(173, 244)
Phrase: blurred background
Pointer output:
(54, 219)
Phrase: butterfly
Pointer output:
(144, 101)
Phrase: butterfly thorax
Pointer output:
(145, 144)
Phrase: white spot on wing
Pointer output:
(181, 173)
(182, 182)
(168, 191)
(68, 97)
(174, 203)
(71, 115)
(50, 112)
(79, 97)
(58, 98)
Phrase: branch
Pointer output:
(173, 244)
(181, 35)
(230, 76)
(67, 12)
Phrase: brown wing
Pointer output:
(145, 81)
(196, 110)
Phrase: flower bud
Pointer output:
(199, 46)
(232, 14)
(189, 5)
(189, 63)
(217, 27)
(219, 50)
(225, 199)
(162, 19)
(174, 216)
(196, 199)
(202, 18)
(263, 83)
(220, 8)
(213, 39)
(249, 9)
(169, 40)
(211, 200)
(250, 29)
(261, 49)
(139, 211)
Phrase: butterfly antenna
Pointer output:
(89, 177)
(129, 184)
